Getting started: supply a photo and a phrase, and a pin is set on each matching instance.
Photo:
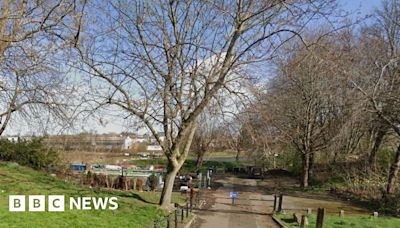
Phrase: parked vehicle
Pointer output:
(78, 167)
(113, 167)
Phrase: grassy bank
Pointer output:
(135, 209)
(347, 221)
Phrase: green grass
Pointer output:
(135, 209)
(347, 221)
(222, 154)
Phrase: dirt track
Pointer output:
(251, 209)
(254, 206)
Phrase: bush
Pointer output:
(153, 182)
(291, 160)
(390, 205)
(29, 153)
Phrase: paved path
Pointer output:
(251, 209)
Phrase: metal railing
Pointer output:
(178, 215)
(174, 218)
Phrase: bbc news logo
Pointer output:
(56, 203)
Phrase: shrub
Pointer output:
(153, 182)
(6, 150)
(30, 153)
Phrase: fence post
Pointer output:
(304, 221)
(187, 209)
(191, 198)
(176, 217)
(200, 179)
(320, 217)
(275, 198)
(134, 184)
(168, 220)
(280, 203)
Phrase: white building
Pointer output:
(127, 143)
(139, 140)
(153, 148)
(12, 138)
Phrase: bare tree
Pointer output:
(206, 134)
(33, 35)
(162, 62)
(258, 134)
(234, 134)
(377, 134)
(378, 77)
(306, 103)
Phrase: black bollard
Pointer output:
(176, 217)
(182, 214)
(320, 217)
(168, 221)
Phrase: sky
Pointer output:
(361, 7)
(364, 7)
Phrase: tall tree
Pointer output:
(206, 134)
(33, 34)
(235, 133)
(378, 77)
(162, 62)
(305, 103)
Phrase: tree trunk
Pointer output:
(311, 166)
(175, 162)
(394, 170)
(306, 169)
(237, 155)
(377, 143)
(165, 200)
(199, 162)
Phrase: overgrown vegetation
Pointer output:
(30, 153)
(330, 113)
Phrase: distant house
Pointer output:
(154, 148)
(139, 139)
(17, 138)
(149, 138)
(127, 143)
(89, 141)
(13, 138)
(152, 139)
